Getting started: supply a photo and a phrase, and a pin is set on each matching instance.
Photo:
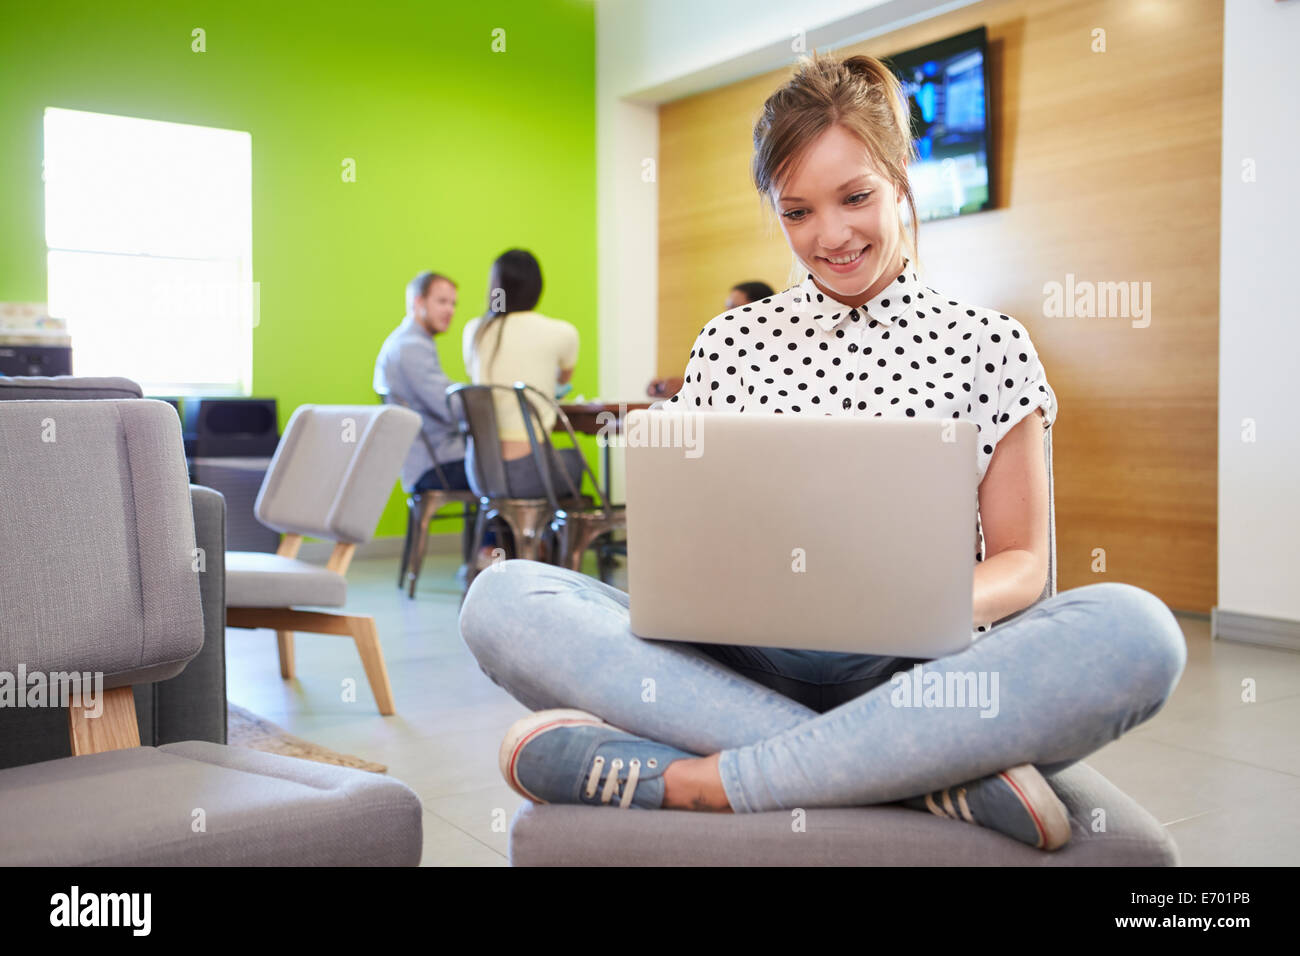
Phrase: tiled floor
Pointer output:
(1222, 774)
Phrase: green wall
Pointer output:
(461, 153)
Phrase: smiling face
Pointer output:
(435, 310)
(840, 217)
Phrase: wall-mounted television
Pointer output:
(946, 84)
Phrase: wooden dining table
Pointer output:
(595, 418)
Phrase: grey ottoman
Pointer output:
(138, 807)
(545, 835)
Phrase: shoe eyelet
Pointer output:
(652, 762)
(635, 762)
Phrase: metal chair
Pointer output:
(422, 508)
(575, 528)
(527, 519)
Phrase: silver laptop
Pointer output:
(816, 532)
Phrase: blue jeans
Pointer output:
(525, 481)
(1071, 674)
(456, 478)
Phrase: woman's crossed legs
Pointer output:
(1063, 679)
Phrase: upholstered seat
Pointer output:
(255, 579)
(202, 804)
(890, 835)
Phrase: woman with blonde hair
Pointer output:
(748, 729)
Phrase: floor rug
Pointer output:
(245, 729)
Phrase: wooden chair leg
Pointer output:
(366, 635)
(284, 644)
(286, 621)
(114, 729)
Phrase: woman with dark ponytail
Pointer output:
(511, 342)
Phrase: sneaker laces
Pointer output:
(611, 788)
(947, 810)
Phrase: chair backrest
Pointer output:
(41, 387)
(99, 570)
(334, 470)
(555, 478)
(476, 414)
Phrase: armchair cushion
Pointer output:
(138, 807)
(256, 579)
(553, 835)
(37, 387)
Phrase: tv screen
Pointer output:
(946, 85)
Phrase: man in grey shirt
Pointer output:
(409, 372)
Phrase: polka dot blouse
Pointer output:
(908, 353)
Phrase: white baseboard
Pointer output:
(1254, 629)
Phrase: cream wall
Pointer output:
(1259, 314)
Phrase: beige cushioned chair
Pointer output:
(330, 478)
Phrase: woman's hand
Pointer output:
(664, 387)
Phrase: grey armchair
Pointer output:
(189, 706)
(100, 575)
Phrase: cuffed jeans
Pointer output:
(816, 729)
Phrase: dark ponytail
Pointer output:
(517, 276)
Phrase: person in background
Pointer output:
(409, 373)
(742, 293)
(512, 343)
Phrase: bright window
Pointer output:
(150, 236)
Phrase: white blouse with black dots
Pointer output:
(909, 352)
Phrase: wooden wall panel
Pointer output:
(1108, 168)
